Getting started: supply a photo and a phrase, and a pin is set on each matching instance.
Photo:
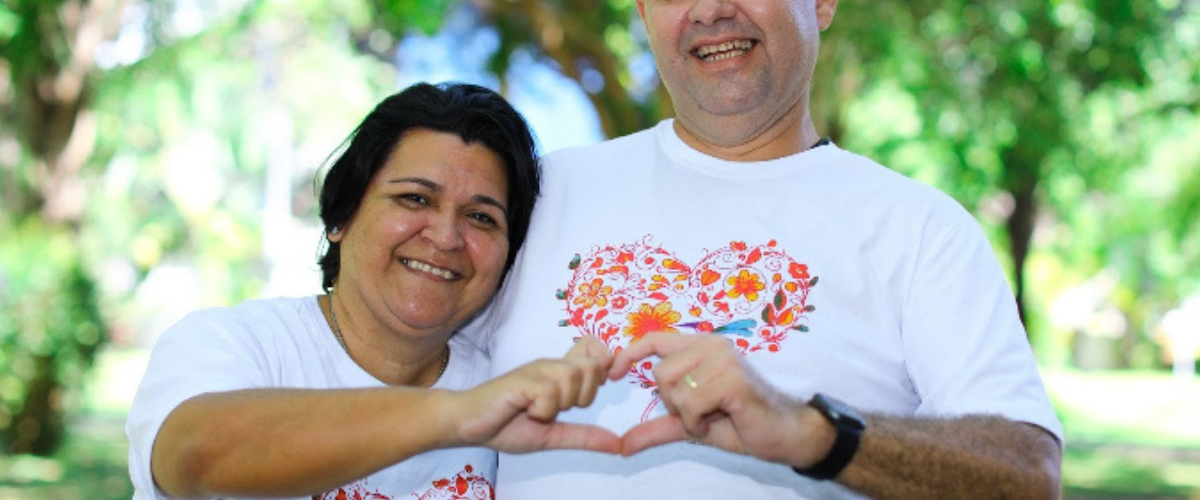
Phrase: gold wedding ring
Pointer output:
(691, 382)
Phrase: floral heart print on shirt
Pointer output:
(753, 295)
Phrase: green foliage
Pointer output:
(1049, 121)
(425, 16)
(596, 44)
(50, 328)
(9, 21)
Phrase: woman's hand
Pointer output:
(516, 412)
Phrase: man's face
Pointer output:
(750, 61)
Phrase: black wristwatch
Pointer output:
(850, 426)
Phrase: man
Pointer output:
(790, 320)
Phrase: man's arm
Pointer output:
(976, 457)
(713, 398)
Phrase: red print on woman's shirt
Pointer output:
(466, 485)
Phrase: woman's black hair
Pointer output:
(474, 113)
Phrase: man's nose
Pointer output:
(710, 11)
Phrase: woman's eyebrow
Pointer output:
(417, 180)
(488, 200)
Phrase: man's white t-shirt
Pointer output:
(286, 343)
(829, 272)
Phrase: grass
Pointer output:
(90, 465)
(1130, 436)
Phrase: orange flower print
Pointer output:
(647, 320)
(593, 294)
(745, 284)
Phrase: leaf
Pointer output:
(785, 318)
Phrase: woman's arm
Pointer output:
(294, 442)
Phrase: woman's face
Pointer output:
(426, 248)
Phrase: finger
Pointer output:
(543, 400)
(660, 344)
(593, 378)
(564, 435)
(656, 432)
(590, 348)
(670, 372)
(694, 405)
(569, 379)
(593, 359)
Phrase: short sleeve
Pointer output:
(207, 351)
(964, 343)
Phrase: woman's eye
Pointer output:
(411, 199)
(484, 218)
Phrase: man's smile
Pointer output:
(724, 50)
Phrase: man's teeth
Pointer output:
(423, 267)
(723, 51)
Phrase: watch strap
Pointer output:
(849, 429)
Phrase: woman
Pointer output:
(363, 392)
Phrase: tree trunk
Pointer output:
(1020, 226)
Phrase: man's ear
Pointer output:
(642, 9)
(825, 10)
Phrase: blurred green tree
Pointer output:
(173, 134)
(51, 320)
(993, 90)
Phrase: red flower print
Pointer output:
(354, 491)
(465, 485)
(798, 271)
(647, 320)
(745, 284)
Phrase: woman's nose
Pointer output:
(442, 231)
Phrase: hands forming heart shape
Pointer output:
(638, 301)
(753, 295)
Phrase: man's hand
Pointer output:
(516, 412)
(714, 398)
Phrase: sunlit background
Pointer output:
(157, 157)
